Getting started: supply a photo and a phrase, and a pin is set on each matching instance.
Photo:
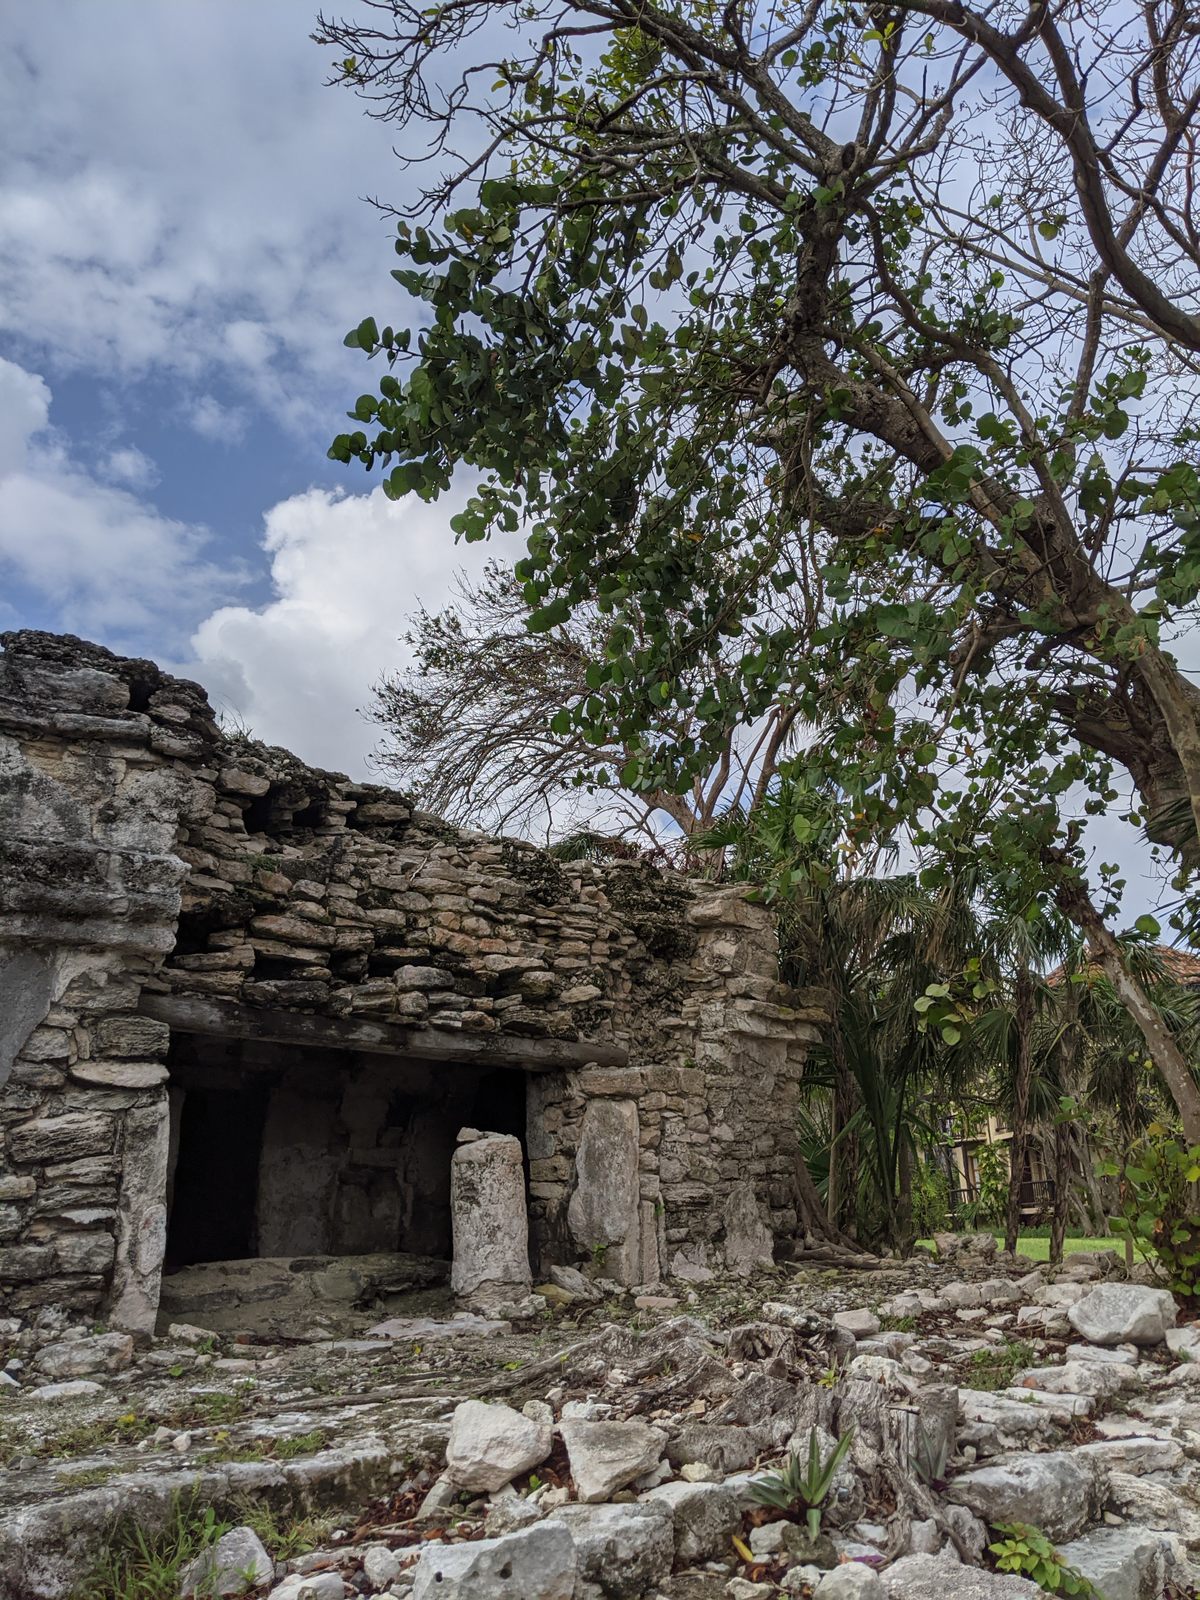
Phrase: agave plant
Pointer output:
(931, 1458)
(803, 1485)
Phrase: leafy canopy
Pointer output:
(893, 309)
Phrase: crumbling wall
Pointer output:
(146, 855)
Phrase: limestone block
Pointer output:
(64, 1138)
(490, 1224)
(749, 1245)
(1123, 1313)
(120, 1074)
(490, 1445)
(1056, 1492)
(607, 1456)
(623, 1549)
(134, 1037)
(141, 1218)
(104, 1352)
(936, 1577)
(706, 1516)
(538, 1563)
(605, 1210)
(1123, 1563)
(234, 1565)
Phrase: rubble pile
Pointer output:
(617, 1450)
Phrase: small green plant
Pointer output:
(139, 1565)
(1160, 1205)
(803, 1485)
(996, 1367)
(829, 1378)
(930, 1458)
(906, 1324)
(283, 1538)
(1028, 1551)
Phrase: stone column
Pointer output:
(491, 1227)
(605, 1211)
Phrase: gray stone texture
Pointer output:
(491, 1226)
(148, 855)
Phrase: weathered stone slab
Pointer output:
(491, 1227)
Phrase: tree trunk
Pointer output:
(905, 1232)
(1073, 901)
(1019, 1145)
(1062, 1190)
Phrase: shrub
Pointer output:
(1160, 1205)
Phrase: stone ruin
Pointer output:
(252, 1010)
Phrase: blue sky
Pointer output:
(183, 242)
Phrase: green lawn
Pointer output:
(1038, 1249)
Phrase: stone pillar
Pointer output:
(491, 1227)
(141, 1218)
(605, 1210)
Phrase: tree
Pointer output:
(479, 727)
(911, 288)
(895, 309)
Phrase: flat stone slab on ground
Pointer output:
(538, 1563)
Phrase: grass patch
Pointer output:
(137, 1565)
(1035, 1245)
(996, 1367)
(285, 1539)
(1037, 1248)
(302, 1444)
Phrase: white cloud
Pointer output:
(348, 570)
(182, 194)
(106, 562)
(128, 465)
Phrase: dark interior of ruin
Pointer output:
(285, 1151)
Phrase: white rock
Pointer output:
(309, 1586)
(851, 1581)
(606, 1456)
(381, 1566)
(1184, 1341)
(538, 1563)
(103, 1352)
(1123, 1313)
(1055, 1491)
(1136, 1455)
(235, 1564)
(860, 1322)
(1123, 1563)
(943, 1576)
(1092, 1378)
(77, 1389)
(490, 1445)
(624, 1549)
(1122, 1355)
(706, 1516)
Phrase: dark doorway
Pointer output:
(216, 1176)
(499, 1105)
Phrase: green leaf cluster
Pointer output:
(1160, 1205)
(1027, 1550)
(803, 1483)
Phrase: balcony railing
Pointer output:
(1036, 1197)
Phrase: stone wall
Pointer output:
(159, 875)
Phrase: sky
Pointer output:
(184, 240)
